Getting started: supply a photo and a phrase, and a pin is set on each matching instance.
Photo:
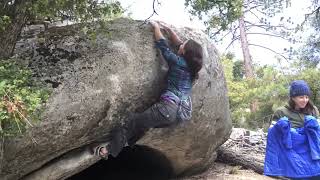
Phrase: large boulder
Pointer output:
(96, 83)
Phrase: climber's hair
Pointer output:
(193, 54)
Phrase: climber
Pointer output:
(174, 105)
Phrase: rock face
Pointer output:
(96, 83)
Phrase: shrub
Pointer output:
(20, 98)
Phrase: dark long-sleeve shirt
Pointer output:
(295, 117)
(179, 80)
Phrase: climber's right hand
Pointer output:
(154, 24)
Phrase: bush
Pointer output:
(20, 98)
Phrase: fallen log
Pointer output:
(241, 158)
(244, 148)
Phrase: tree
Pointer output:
(245, 48)
(310, 52)
(14, 14)
(230, 17)
(269, 89)
(238, 71)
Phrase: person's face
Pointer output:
(300, 101)
(181, 48)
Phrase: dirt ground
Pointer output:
(220, 171)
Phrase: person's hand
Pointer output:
(165, 26)
(309, 117)
(154, 24)
(272, 124)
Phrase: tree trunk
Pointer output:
(245, 49)
(247, 58)
(9, 36)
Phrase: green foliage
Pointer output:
(220, 13)
(269, 90)
(77, 11)
(16, 14)
(4, 22)
(20, 99)
(272, 7)
(310, 52)
(238, 70)
(80, 10)
(311, 75)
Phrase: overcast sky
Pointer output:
(174, 12)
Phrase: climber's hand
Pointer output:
(154, 24)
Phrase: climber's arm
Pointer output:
(157, 32)
(162, 44)
(173, 36)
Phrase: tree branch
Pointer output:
(215, 33)
(265, 26)
(253, 2)
(273, 35)
(232, 41)
(233, 38)
(265, 34)
(154, 12)
(306, 16)
(248, 3)
(254, 15)
(230, 31)
(221, 11)
(253, 7)
(270, 50)
(261, 12)
(238, 37)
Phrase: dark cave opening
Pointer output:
(133, 163)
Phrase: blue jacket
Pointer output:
(291, 152)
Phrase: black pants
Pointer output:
(160, 115)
